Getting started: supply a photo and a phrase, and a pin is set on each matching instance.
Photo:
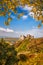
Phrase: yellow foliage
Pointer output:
(12, 4)
(6, 23)
(42, 21)
(39, 25)
(34, 9)
(9, 19)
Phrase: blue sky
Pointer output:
(23, 26)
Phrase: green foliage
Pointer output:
(23, 57)
(8, 54)
(30, 52)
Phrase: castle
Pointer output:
(22, 37)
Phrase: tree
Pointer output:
(8, 54)
(6, 6)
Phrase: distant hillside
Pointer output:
(12, 40)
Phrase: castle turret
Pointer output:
(22, 37)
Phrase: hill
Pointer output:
(30, 51)
(33, 45)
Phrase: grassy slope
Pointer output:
(31, 45)
(35, 47)
(23, 45)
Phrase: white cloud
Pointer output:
(25, 16)
(11, 33)
(9, 30)
(2, 29)
(6, 30)
(29, 8)
(31, 14)
(34, 32)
